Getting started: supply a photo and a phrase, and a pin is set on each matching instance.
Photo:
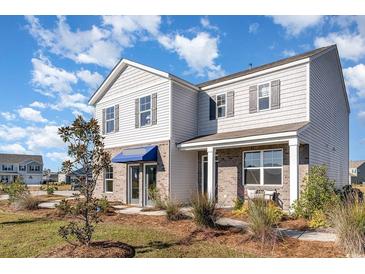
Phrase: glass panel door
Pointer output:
(150, 182)
(134, 184)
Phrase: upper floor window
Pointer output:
(7, 167)
(109, 179)
(264, 96)
(221, 105)
(109, 119)
(34, 168)
(22, 168)
(263, 167)
(145, 110)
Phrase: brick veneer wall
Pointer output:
(230, 173)
(120, 175)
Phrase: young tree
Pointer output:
(88, 158)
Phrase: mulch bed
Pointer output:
(98, 249)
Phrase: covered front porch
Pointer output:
(233, 165)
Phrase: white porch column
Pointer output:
(211, 173)
(294, 169)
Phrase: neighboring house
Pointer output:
(261, 128)
(71, 177)
(29, 168)
(49, 176)
(357, 172)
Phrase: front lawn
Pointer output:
(34, 233)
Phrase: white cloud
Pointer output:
(361, 116)
(295, 24)
(31, 115)
(75, 101)
(45, 137)
(57, 156)
(253, 28)
(350, 46)
(8, 116)
(288, 52)
(199, 52)
(9, 133)
(51, 79)
(92, 79)
(14, 148)
(37, 104)
(355, 78)
(204, 21)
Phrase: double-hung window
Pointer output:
(109, 179)
(263, 167)
(221, 105)
(7, 167)
(22, 168)
(145, 110)
(110, 119)
(264, 97)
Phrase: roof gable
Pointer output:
(19, 158)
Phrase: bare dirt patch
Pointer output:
(99, 249)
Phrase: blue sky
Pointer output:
(51, 65)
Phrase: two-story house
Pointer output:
(260, 128)
(29, 168)
(357, 172)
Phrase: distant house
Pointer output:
(72, 177)
(357, 172)
(49, 176)
(27, 167)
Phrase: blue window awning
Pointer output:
(136, 154)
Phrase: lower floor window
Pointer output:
(263, 167)
(109, 179)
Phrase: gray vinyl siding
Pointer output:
(135, 83)
(184, 126)
(293, 103)
(328, 131)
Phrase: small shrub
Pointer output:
(318, 219)
(318, 193)
(157, 199)
(242, 212)
(103, 204)
(63, 208)
(173, 210)
(26, 202)
(204, 211)
(51, 189)
(15, 190)
(262, 218)
(350, 194)
(238, 203)
(348, 220)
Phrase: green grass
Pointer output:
(24, 236)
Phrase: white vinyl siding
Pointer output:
(293, 104)
(135, 83)
(327, 133)
(184, 126)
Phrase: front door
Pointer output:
(150, 171)
(133, 184)
(204, 181)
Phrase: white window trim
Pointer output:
(205, 160)
(258, 97)
(149, 110)
(261, 168)
(225, 105)
(105, 180)
(108, 120)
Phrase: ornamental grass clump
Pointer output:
(348, 220)
(26, 202)
(173, 212)
(263, 217)
(204, 211)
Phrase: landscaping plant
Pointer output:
(88, 157)
(15, 189)
(26, 202)
(103, 205)
(204, 211)
(173, 210)
(348, 220)
(238, 203)
(318, 193)
(63, 208)
(156, 197)
(263, 216)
